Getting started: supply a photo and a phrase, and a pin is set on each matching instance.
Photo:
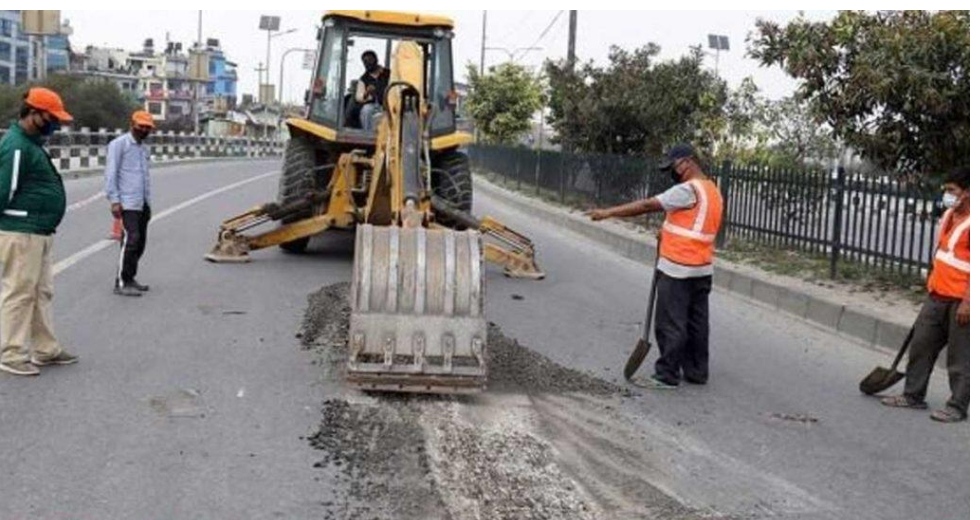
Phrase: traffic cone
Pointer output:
(117, 228)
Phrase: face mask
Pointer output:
(48, 127)
(371, 67)
(675, 176)
(950, 200)
(141, 134)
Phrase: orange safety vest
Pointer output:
(950, 275)
(688, 235)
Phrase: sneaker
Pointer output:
(20, 368)
(64, 358)
(126, 290)
(661, 385)
(654, 383)
(138, 286)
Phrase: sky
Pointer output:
(245, 44)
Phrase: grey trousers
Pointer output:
(935, 328)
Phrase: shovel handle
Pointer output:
(905, 347)
(653, 293)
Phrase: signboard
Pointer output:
(40, 22)
(198, 69)
(267, 94)
(269, 23)
(309, 59)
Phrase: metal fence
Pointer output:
(880, 223)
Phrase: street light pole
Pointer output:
(511, 53)
(282, 67)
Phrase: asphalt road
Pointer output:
(195, 401)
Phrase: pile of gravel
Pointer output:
(513, 367)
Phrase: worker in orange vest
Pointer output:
(685, 265)
(945, 317)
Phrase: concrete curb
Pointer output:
(854, 323)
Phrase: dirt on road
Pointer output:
(544, 442)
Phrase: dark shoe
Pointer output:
(127, 290)
(901, 401)
(138, 286)
(64, 358)
(948, 415)
(20, 368)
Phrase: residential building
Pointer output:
(16, 63)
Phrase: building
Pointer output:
(161, 80)
(223, 85)
(16, 63)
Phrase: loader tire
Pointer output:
(453, 182)
(297, 181)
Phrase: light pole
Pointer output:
(270, 24)
(718, 43)
(511, 53)
(282, 67)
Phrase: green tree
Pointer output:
(636, 105)
(503, 102)
(94, 103)
(894, 85)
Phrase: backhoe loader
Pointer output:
(417, 288)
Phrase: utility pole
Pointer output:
(483, 43)
(194, 110)
(572, 22)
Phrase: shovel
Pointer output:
(881, 378)
(643, 344)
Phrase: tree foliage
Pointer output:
(93, 103)
(894, 85)
(503, 102)
(637, 104)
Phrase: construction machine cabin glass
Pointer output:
(343, 42)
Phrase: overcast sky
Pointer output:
(245, 44)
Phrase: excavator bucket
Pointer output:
(417, 311)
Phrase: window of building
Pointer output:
(6, 51)
(154, 108)
(4, 74)
(21, 65)
(6, 28)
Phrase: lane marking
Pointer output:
(105, 243)
(82, 203)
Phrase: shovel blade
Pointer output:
(636, 358)
(879, 380)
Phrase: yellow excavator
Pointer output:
(398, 176)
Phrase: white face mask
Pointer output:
(950, 200)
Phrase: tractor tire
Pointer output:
(453, 182)
(298, 180)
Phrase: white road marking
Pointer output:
(82, 203)
(103, 244)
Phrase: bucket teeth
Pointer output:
(231, 248)
(417, 295)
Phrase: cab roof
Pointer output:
(394, 18)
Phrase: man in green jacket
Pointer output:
(32, 204)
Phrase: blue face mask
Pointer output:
(49, 127)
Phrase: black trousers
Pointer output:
(682, 329)
(135, 224)
(935, 329)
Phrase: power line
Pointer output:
(543, 34)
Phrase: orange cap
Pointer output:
(143, 118)
(48, 101)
